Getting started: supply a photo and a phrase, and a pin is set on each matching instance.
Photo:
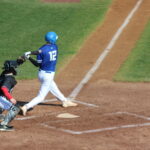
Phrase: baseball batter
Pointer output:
(46, 61)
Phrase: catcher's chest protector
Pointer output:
(1, 80)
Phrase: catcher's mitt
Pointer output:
(21, 60)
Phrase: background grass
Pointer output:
(23, 24)
(137, 66)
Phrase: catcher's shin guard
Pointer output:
(2, 116)
(14, 110)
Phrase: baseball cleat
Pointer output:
(69, 103)
(24, 110)
(6, 128)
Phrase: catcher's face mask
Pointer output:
(11, 66)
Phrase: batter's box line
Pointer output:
(80, 102)
(96, 130)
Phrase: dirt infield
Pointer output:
(113, 116)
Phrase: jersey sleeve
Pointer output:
(6, 93)
(39, 56)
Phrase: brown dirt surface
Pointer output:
(120, 118)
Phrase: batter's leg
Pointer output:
(56, 92)
(40, 97)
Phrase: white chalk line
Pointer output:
(105, 52)
(97, 130)
(80, 102)
(26, 118)
(103, 129)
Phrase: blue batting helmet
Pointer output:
(51, 37)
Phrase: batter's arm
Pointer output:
(34, 62)
(32, 53)
(35, 52)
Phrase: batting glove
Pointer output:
(27, 55)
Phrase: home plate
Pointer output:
(67, 115)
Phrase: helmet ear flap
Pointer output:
(51, 37)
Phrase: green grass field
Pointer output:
(24, 23)
(137, 66)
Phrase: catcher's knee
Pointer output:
(15, 109)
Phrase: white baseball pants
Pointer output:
(47, 85)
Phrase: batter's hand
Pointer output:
(27, 55)
(13, 101)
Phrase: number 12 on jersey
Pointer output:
(53, 55)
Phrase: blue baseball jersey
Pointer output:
(48, 57)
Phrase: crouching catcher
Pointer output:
(7, 102)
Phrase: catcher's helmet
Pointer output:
(10, 66)
(51, 37)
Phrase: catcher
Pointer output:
(7, 102)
